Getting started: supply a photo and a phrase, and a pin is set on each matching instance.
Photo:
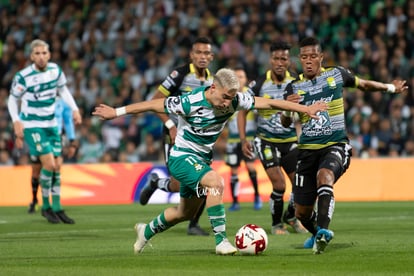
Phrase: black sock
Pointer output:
(310, 224)
(276, 206)
(234, 183)
(290, 212)
(326, 205)
(194, 221)
(35, 187)
(253, 179)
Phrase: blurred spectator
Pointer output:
(116, 52)
(91, 150)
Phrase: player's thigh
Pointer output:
(289, 156)
(337, 159)
(305, 184)
(43, 141)
(188, 170)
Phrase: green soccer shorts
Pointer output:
(189, 169)
(42, 141)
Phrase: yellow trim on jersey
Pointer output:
(287, 76)
(164, 91)
(317, 146)
(336, 107)
(279, 140)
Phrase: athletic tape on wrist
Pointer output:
(120, 111)
(169, 124)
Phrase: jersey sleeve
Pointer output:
(18, 86)
(174, 105)
(255, 86)
(61, 81)
(245, 101)
(350, 80)
(67, 116)
(170, 86)
(288, 90)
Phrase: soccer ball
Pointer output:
(251, 239)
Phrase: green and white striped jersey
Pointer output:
(37, 91)
(199, 123)
(234, 136)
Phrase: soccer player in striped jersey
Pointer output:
(64, 118)
(276, 145)
(37, 87)
(181, 80)
(202, 116)
(324, 149)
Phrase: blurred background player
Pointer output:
(181, 80)
(64, 117)
(275, 144)
(234, 154)
(36, 88)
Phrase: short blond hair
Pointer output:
(38, 42)
(227, 79)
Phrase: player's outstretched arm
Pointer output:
(311, 110)
(106, 112)
(397, 86)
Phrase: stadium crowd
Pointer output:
(117, 52)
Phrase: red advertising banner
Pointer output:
(121, 183)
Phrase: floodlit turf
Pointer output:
(370, 239)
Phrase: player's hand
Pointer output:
(73, 146)
(19, 142)
(105, 112)
(18, 129)
(315, 108)
(247, 149)
(77, 118)
(400, 86)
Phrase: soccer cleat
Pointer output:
(225, 248)
(308, 244)
(32, 207)
(141, 240)
(196, 230)
(64, 218)
(257, 203)
(234, 207)
(279, 229)
(149, 189)
(322, 238)
(50, 216)
(295, 224)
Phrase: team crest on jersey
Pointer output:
(174, 74)
(198, 167)
(331, 82)
(187, 89)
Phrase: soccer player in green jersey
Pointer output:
(36, 87)
(180, 81)
(202, 115)
(324, 149)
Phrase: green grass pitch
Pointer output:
(372, 238)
